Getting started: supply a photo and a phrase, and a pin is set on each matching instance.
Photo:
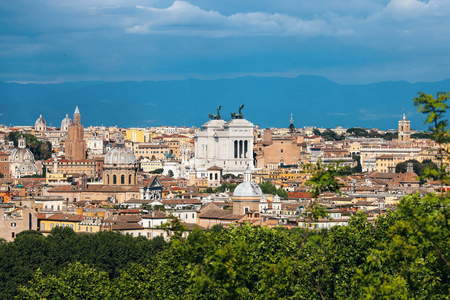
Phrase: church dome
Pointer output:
(21, 159)
(248, 188)
(120, 155)
(40, 121)
(21, 155)
(66, 121)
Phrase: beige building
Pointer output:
(148, 165)
(16, 221)
(280, 150)
(57, 167)
(158, 151)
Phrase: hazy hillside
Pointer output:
(268, 101)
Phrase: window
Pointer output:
(13, 224)
(52, 225)
(43, 226)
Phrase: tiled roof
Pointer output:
(64, 217)
(299, 195)
(180, 201)
(95, 188)
(155, 215)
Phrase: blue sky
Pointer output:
(352, 41)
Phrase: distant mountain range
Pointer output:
(269, 101)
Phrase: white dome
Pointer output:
(66, 121)
(40, 121)
(21, 155)
(120, 155)
(248, 189)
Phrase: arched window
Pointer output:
(210, 176)
(107, 179)
(122, 179)
(216, 176)
(114, 179)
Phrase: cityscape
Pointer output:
(168, 149)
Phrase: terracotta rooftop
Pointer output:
(64, 217)
(95, 188)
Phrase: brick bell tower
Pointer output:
(75, 143)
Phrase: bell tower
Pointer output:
(75, 143)
(404, 130)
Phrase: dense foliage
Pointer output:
(268, 187)
(420, 168)
(404, 254)
(105, 251)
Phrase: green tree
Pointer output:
(157, 171)
(268, 187)
(435, 109)
(358, 168)
(317, 132)
(226, 186)
(357, 132)
(282, 194)
(77, 281)
(324, 179)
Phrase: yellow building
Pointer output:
(79, 223)
(148, 165)
(52, 178)
(135, 135)
(157, 151)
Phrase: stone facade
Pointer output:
(283, 150)
(228, 145)
(12, 223)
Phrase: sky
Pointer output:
(349, 42)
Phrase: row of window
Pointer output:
(154, 152)
(52, 225)
(122, 179)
